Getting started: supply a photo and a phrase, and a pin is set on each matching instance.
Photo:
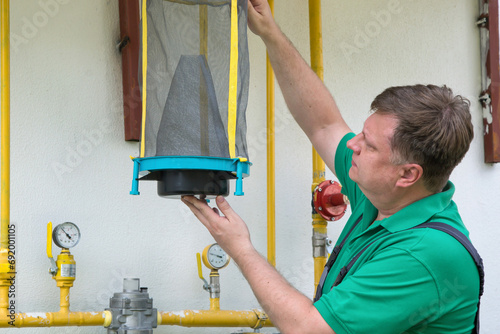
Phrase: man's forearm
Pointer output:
(290, 310)
(306, 96)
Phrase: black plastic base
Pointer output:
(176, 183)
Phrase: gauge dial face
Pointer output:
(215, 257)
(66, 235)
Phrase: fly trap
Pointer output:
(195, 77)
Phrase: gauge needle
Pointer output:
(219, 256)
(66, 233)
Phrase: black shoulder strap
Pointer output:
(454, 233)
(472, 251)
(465, 242)
(331, 261)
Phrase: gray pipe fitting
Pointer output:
(132, 310)
(319, 244)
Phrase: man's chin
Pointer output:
(352, 173)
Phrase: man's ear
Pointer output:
(409, 175)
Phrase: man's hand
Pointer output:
(288, 309)
(228, 230)
(260, 17)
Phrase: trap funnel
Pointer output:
(195, 73)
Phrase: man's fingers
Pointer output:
(200, 209)
(224, 207)
(191, 204)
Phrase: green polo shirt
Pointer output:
(408, 281)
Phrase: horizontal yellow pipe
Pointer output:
(50, 319)
(219, 318)
(57, 319)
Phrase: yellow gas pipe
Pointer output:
(203, 318)
(5, 124)
(64, 317)
(271, 213)
(7, 269)
(214, 301)
(215, 318)
(319, 224)
(58, 319)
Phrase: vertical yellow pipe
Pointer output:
(5, 132)
(214, 304)
(64, 299)
(271, 214)
(5, 267)
(144, 90)
(316, 40)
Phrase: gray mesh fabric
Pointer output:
(187, 88)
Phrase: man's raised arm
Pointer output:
(307, 98)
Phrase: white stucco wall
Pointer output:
(66, 111)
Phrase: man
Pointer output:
(395, 173)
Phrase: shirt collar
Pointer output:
(418, 212)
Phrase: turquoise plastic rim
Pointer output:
(237, 166)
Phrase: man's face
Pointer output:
(371, 166)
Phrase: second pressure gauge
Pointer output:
(66, 235)
(214, 257)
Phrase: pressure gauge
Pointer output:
(214, 257)
(66, 235)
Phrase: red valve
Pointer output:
(328, 201)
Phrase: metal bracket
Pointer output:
(482, 21)
(329, 245)
(485, 99)
(123, 43)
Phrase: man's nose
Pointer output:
(353, 144)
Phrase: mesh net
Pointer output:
(188, 71)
